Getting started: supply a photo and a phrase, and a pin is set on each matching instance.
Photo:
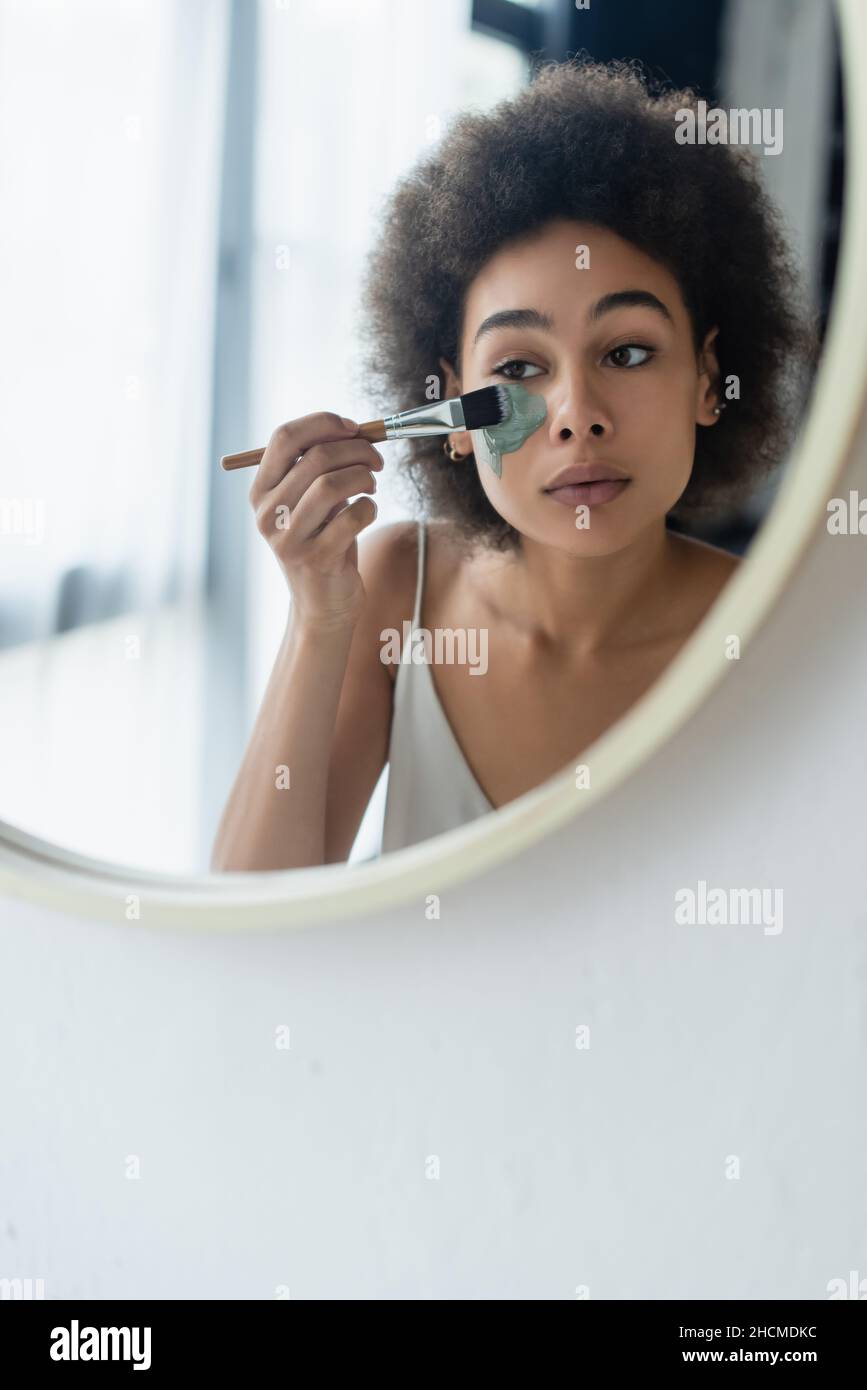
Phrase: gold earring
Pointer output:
(449, 448)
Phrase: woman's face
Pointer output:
(622, 387)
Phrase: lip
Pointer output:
(593, 494)
(580, 473)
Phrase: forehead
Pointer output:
(539, 271)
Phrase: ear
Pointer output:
(461, 439)
(451, 386)
(708, 387)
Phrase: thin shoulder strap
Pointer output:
(419, 583)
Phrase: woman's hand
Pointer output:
(310, 469)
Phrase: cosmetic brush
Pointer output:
(477, 410)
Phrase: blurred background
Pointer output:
(190, 188)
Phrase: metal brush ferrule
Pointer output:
(440, 417)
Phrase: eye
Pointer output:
(513, 362)
(633, 347)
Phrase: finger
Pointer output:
(337, 535)
(291, 439)
(325, 490)
(322, 458)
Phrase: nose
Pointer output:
(578, 412)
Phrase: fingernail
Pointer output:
(350, 424)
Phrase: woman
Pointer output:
(644, 289)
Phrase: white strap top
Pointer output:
(430, 786)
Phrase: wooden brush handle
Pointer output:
(246, 460)
(371, 430)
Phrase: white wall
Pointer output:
(603, 1167)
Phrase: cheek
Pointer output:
(664, 426)
(491, 485)
(662, 391)
(497, 490)
(489, 465)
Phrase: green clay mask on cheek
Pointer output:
(490, 444)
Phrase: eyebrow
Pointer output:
(532, 318)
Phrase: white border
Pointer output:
(36, 870)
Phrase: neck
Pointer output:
(590, 603)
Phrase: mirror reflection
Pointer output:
(517, 342)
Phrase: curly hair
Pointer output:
(593, 142)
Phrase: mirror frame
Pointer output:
(39, 872)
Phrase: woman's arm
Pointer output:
(324, 720)
(387, 563)
(275, 815)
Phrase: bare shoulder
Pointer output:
(388, 560)
(388, 554)
(388, 565)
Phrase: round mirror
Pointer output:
(403, 482)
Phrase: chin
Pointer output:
(605, 540)
(604, 530)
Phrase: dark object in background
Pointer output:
(677, 41)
